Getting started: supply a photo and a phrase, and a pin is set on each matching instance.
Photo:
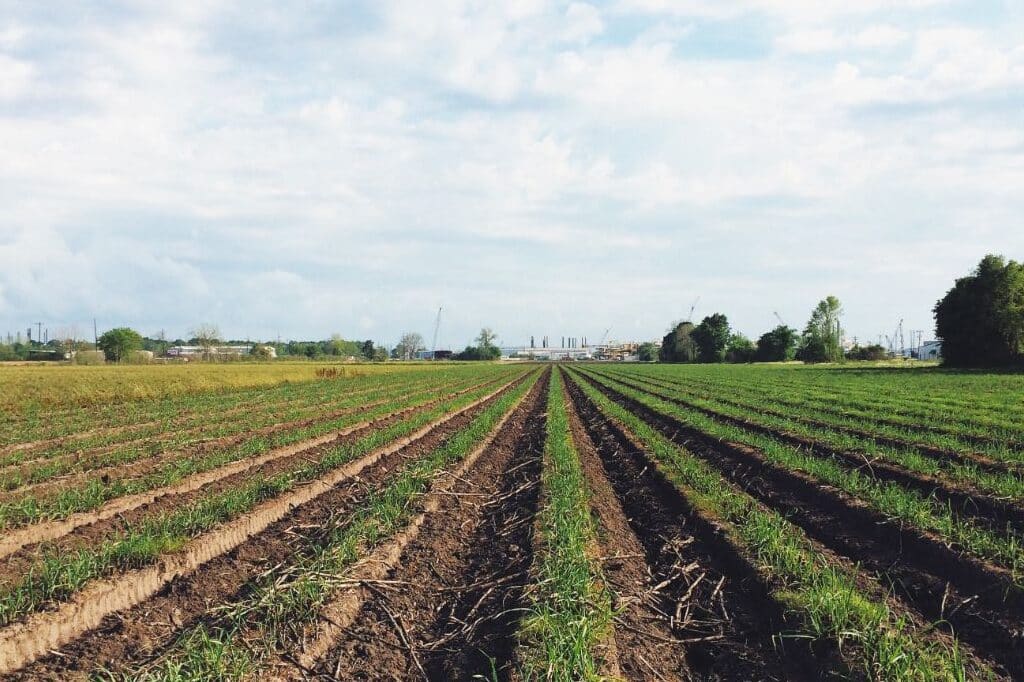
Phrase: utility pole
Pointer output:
(95, 336)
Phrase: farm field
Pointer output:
(512, 521)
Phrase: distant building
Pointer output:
(931, 350)
(622, 352)
(198, 351)
(434, 355)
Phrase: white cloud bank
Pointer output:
(542, 168)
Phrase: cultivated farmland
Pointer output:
(511, 521)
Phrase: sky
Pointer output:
(299, 169)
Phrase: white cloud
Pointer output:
(15, 77)
(583, 22)
(307, 174)
(879, 36)
(818, 40)
(812, 41)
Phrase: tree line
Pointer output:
(980, 321)
(713, 341)
(122, 344)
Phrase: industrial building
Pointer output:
(199, 351)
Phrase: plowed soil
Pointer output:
(975, 600)
(451, 607)
(132, 637)
(703, 611)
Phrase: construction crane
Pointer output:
(779, 318)
(897, 337)
(437, 327)
(692, 308)
(605, 337)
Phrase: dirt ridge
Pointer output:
(16, 539)
(658, 511)
(974, 599)
(966, 500)
(23, 642)
(342, 610)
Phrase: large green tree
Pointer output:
(712, 338)
(678, 345)
(777, 345)
(822, 338)
(740, 349)
(117, 343)
(647, 352)
(980, 321)
(485, 348)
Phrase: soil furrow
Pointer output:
(986, 509)
(458, 586)
(709, 597)
(42, 632)
(182, 418)
(879, 411)
(644, 621)
(151, 462)
(308, 409)
(975, 600)
(147, 464)
(25, 538)
(979, 460)
(128, 639)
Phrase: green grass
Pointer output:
(898, 418)
(571, 611)
(208, 417)
(823, 596)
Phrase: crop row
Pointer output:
(67, 580)
(989, 411)
(594, 522)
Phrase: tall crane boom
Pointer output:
(779, 318)
(692, 308)
(437, 327)
(605, 337)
